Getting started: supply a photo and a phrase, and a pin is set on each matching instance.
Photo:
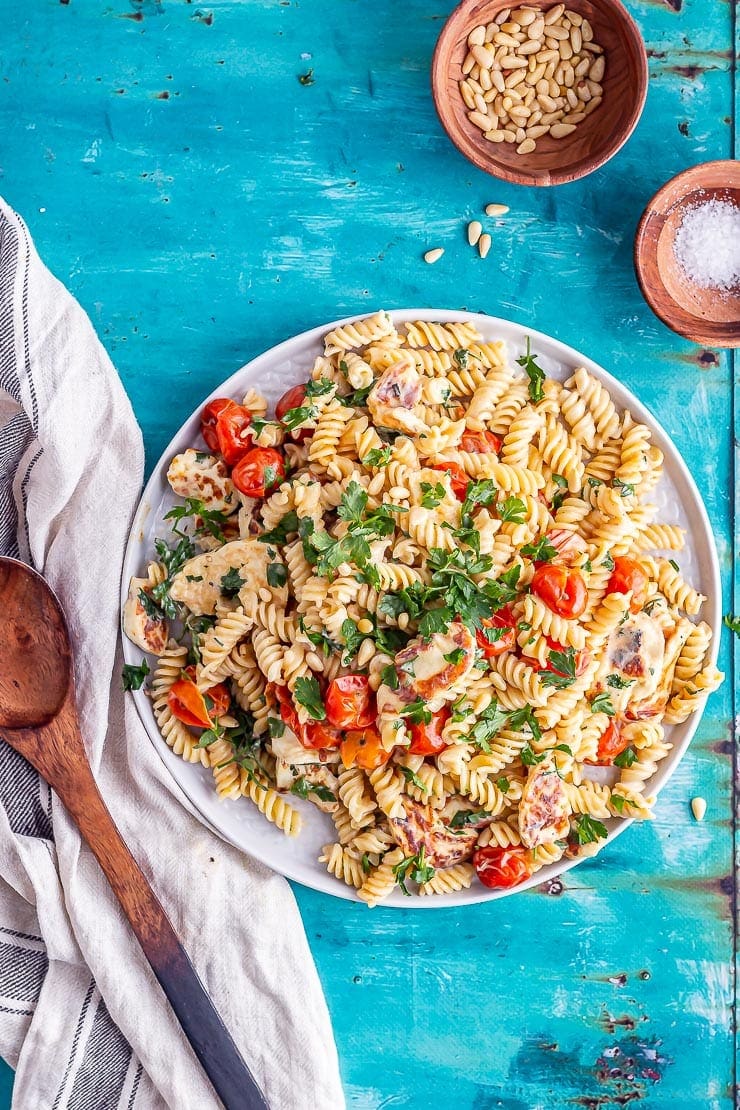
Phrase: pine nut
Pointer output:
(536, 28)
(554, 14)
(365, 626)
(485, 80)
(576, 40)
(528, 48)
(483, 56)
(520, 135)
(496, 209)
(596, 72)
(491, 30)
(566, 50)
(584, 92)
(434, 255)
(526, 147)
(479, 120)
(595, 87)
(560, 130)
(574, 117)
(502, 16)
(509, 136)
(555, 32)
(502, 39)
(574, 18)
(468, 96)
(592, 105)
(582, 67)
(495, 136)
(538, 131)
(484, 244)
(547, 102)
(587, 31)
(475, 228)
(552, 117)
(523, 16)
(477, 36)
(549, 56)
(468, 64)
(511, 61)
(514, 78)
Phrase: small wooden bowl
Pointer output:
(596, 138)
(707, 316)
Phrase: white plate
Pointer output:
(272, 373)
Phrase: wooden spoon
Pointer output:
(39, 719)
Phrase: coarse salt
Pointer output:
(707, 244)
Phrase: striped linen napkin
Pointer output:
(82, 1018)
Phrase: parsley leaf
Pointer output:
(534, 372)
(377, 456)
(232, 582)
(132, 678)
(389, 676)
(461, 356)
(603, 703)
(358, 399)
(454, 657)
(619, 802)
(608, 561)
(352, 639)
(503, 784)
(617, 682)
(625, 758)
(149, 606)
(413, 779)
(588, 830)
(732, 622)
(490, 721)
(625, 488)
(308, 694)
(302, 788)
(277, 574)
(416, 712)
(482, 492)
(563, 673)
(525, 717)
(414, 867)
(542, 551)
(280, 533)
(465, 817)
(512, 509)
(353, 503)
(211, 520)
(432, 495)
(275, 727)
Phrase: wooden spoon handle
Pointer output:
(58, 755)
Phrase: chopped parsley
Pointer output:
(377, 456)
(280, 533)
(625, 758)
(563, 673)
(732, 622)
(416, 713)
(534, 372)
(674, 564)
(232, 582)
(211, 520)
(432, 495)
(302, 788)
(588, 830)
(277, 575)
(617, 682)
(308, 694)
(461, 357)
(454, 657)
(275, 727)
(415, 868)
(608, 561)
(465, 817)
(626, 489)
(132, 678)
(619, 802)
(413, 779)
(512, 509)
(541, 552)
(389, 676)
(603, 703)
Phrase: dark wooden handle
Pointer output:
(64, 765)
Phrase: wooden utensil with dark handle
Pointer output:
(39, 719)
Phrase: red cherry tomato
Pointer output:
(499, 868)
(426, 739)
(503, 619)
(628, 574)
(350, 703)
(363, 748)
(611, 744)
(563, 589)
(194, 708)
(582, 658)
(209, 419)
(259, 471)
(234, 432)
(482, 443)
(312, 734)
(458, 478)
(293, 399)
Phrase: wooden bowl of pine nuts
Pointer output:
(539, 95)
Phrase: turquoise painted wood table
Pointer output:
(203, 203)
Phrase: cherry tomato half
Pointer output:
(209, 419)
(234, 432)
(259, 471)
(611, 744)
(458, 478)
(363, 748)
(350, 702)
(502, 867)
(482, 443)
(293, 399)
(426, 739)
(563, 589)
(312, 734)
(194, 708)
(506, 641)
(628, 574)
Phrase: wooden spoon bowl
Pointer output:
(707, 316)
(596, 138)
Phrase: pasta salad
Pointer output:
(430, 597)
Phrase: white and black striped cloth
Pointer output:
(75, 992)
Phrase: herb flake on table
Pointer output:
(534, 372)
(132, 678)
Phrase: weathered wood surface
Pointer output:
(203, 204)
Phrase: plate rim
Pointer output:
(564, 354)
